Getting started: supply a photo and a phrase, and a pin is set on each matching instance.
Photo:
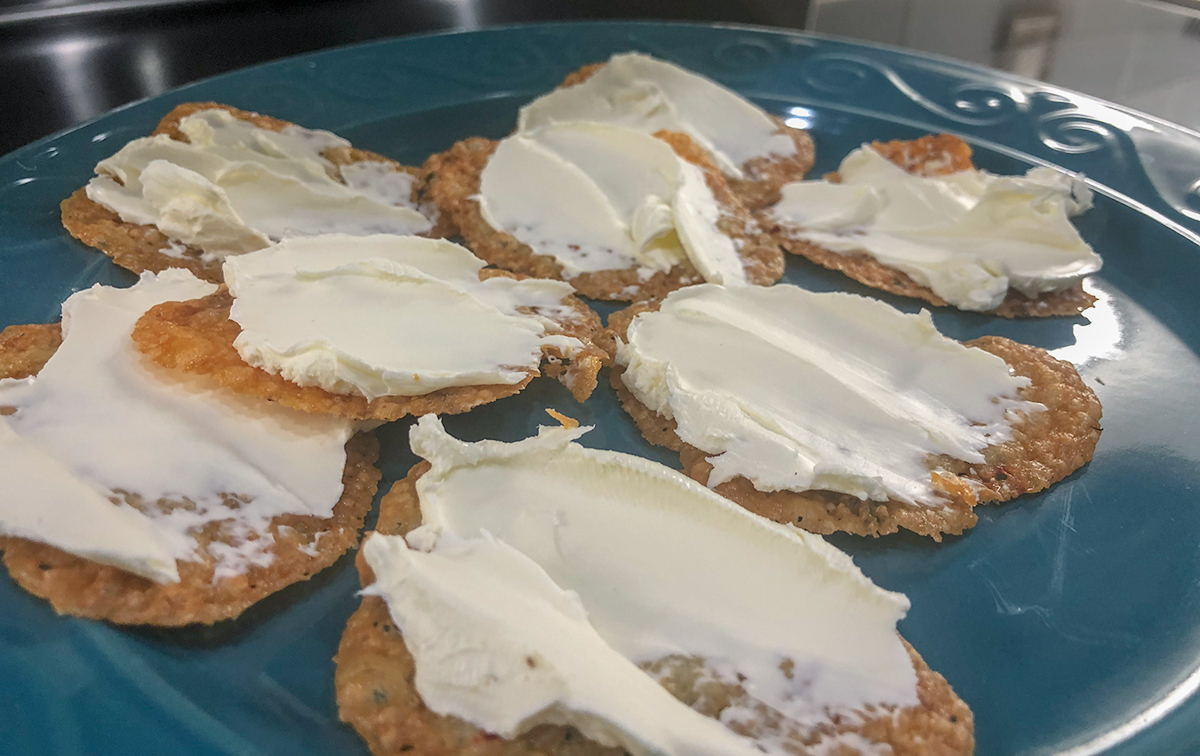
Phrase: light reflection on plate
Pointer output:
(1102, 337)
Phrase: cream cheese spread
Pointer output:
(41, 500)
(546, 575)
(235, 187)
(388, 315)
(969, 236)
(800, 391)
(650, 95)
(603, 197)
(101, 421)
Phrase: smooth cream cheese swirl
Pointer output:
(545, 573)
(601, 197)
(801, 391)
(650, 95)
(99, 421)
(235, 187)
(389, 315)
(969, 236)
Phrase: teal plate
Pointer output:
(1069, 621)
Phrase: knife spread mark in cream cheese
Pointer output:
(389, 315)
(601, 197)
(799, 391)
(547, 574)
(969, 236)
(101, 423)
(640, 92)
(235, 187)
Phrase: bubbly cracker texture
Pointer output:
(1045, 448)
(303, 545)
(197, 337)
(454, 184)
(144, 248)
(376, 693)
(933, 155)
(764, 175)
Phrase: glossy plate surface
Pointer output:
(1069, 621)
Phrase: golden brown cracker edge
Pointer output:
(303, 545)
(1046, 447)
(377, 696)
(197, 337)
(931, 155)
(762, 176)
(141, 248)
(25, 349)
(454, 177)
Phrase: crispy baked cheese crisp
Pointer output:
(757, 152)
(142, 498)
(616, 212)
(376, 328)
(837, 412)
(490, 622)
(213, 181)
(917, 219)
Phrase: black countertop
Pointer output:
(65, 62)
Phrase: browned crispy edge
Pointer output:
(377, 696)
(139, 247)
(932, 155)
(765, 175)
(24, 349)
(1045, 448)
(76, 586)
(454, 186)
(197, 337)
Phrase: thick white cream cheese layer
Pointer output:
(388, 315)
(101, 421)
(603, 197)
(801, 391)
(545, 573)
(969, 236)
(235, 187)
(643, 93)
(41, 500)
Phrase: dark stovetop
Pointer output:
(63, 61)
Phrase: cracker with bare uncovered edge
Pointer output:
(454, 178)
(376, 693)
(303, 545)
(140, 248)
(1045, 448)
(197, 337)
(933, 155)
(764, 175)
(24, 349)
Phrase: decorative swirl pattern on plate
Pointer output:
(1073, 133)
(983, 103)
(1191, 200)
(837, 73)
(972, 102)
(744, 56)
